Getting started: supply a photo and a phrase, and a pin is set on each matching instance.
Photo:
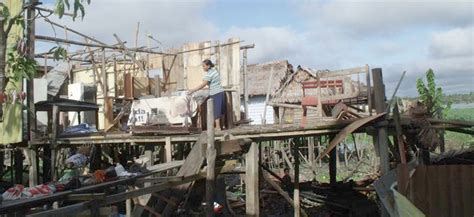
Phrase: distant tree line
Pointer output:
(458, 98)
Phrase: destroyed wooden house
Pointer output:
(259, 84)
(287, 99)
(163, 168)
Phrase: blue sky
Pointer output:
(397, 35)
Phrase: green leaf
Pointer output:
(67, 4)
(59, 8)
(5, 12)
(76, 8)
(83, 12)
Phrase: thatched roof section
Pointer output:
(290, 90)
(259, 74)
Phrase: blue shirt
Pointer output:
(214, 80)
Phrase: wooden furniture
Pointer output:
(319, 101)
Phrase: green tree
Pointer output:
(432, 96)
(19, 64)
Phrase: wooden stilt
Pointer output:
(296, 192)
(33, 167)
(345, 155)
(54, 134)
(382, 136)
(211, 160)
(311, 152)
(167, 151)
(332, 164)
(251, 181)
(2, 163)
(18, 156)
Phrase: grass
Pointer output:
(459, 140)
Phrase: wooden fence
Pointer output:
(443, 190)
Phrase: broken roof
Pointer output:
(258, 76)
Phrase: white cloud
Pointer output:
(453, 43)
(338, 34)
(369, 17)
(271, 43)
(171, 22)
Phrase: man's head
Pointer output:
(286, 171)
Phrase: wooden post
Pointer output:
(369, 89)
(320, 140)
(149, 149)
(53, 141)
(33, 167)
(168, 157)
(296, 192)
(128, 207)
(157, 86)
(31, 14)
(18, 156)
(270, 82)
(311, 152)
(252, 191)
(332, 164)
(382, 136)
(211, 160)
(320, 105)
(2, 154)
(246, 91)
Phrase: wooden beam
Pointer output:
(155, 188)
(74, 31)
(251, 181)
(59, 40)
(86, 197)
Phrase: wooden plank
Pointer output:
(419, 189)
(466, 178)
(346, 131)
(454, 191)
(402, 178)
(283, 193)
(165, 166)
(432, 195)
(252, 181)
(286, 158)
(86, 197)
(445, 189)
(399, 134)
(344, 72)
(192, 165)
(64, 211)
(155, 188)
